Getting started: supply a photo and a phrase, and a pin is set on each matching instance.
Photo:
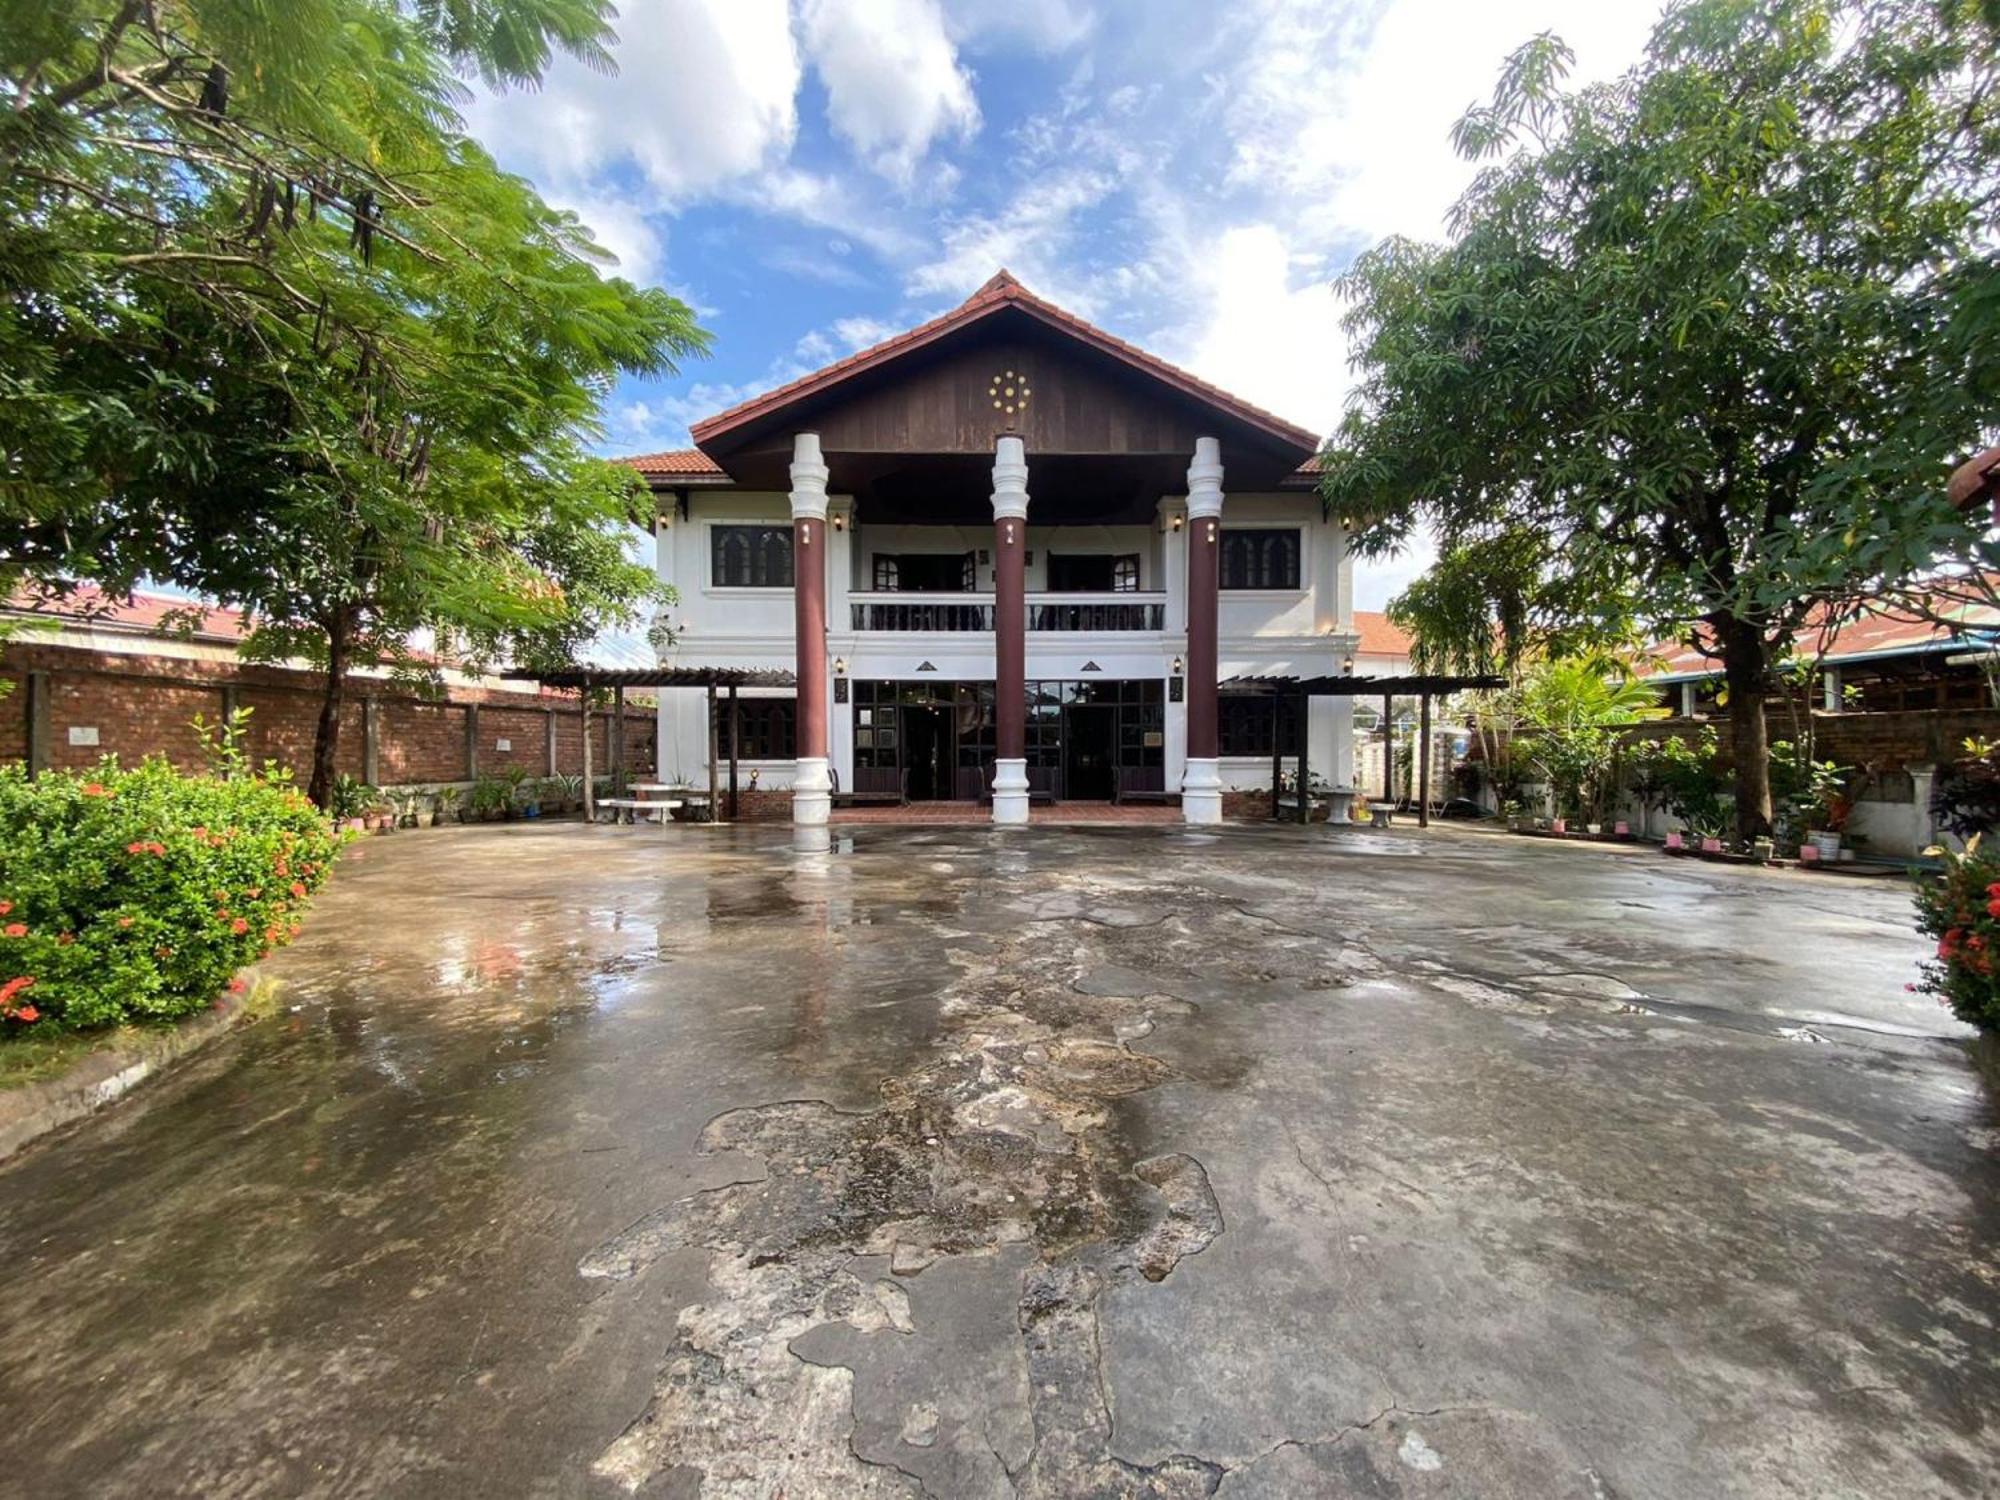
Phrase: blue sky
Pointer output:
(813, 176)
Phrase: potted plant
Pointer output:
(381, 812)
(444, 804)
(412, 808)
(489, 798)
(511, 781)
(1675, 843)
(528, 797)
(1831, 817)
(347, 804)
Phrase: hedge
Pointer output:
(136, 895)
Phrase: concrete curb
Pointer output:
(104, 1077)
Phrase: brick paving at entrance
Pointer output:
(979, 813)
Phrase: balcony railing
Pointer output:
(974, 612)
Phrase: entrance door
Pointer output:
(927, 752)
(1089, 739)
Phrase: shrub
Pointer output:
(134, 895)
(1960, 907)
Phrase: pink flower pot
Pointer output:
(1559, 825)
(1808, 854)
(1622, 829)
(1711, 846)
(1676, 842)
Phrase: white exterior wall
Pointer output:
(1305, 632)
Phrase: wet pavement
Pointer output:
(1107, 1162)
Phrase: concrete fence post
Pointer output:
(40, 709)
(472, 742)
(371, 740)
(549, 740)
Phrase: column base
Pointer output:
(812, 792)
(1201, 792)
(1010, 793)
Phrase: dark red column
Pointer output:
(809, 599)
(1010, 638)
(1010, 631)
(812, 798)
(1204, 550)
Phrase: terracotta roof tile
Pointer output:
(1002, 290)
(1379, 635)
(675, 461)
(151, 613)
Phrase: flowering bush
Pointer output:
(135, 895)
(1960, 907)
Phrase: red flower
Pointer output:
(15, 929)
(14, 987)
(5, 907)
(135, 848)
(163, 951)
(27, 1015)
(239, 926)
(238, 985)
(124, 921)
(299, 889)
(95, 789)
(64, 939)
(1993, 907)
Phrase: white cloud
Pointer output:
(1041, 25)
(1273, 332)
(893, 80)
(1031, 236)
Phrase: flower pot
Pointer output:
(1764, 849)
(1676, 842)
(1593, 829)
(1711, 846)
(1827, 842)
(1558, 825)
(353, 825)
(1622, 829)
(1809, 854)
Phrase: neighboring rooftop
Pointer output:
(1380, 636)
(1879, 629)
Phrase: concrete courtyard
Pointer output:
(1071, 1162)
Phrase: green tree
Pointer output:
(1702, 344)
(273, 327)
(1567, 715)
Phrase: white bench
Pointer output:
(628, 809)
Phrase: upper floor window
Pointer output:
(926, 572)
(751, 557)
(1093, 573)
(1260, 559)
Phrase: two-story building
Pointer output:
(1009, 558)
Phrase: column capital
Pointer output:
(1010, 480)
(1204, 479)
(809, 475)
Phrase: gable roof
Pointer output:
(1001, 293)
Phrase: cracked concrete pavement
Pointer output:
(1108, 1162)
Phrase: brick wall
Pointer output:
(145, 705)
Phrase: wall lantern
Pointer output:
(1175, 523)
(1347, 665)
(840, 666)
(840, 520)
(1179, 666)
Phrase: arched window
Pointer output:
(751, 557)
(1259, 559)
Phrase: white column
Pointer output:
(812, 787)
(1010, 509)
(1201, 782)
(1829, 686)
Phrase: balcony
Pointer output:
(973, 613)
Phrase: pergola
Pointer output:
(1424, 685)
(618, 679)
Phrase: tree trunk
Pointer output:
(1746, 668)
(326, 739)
